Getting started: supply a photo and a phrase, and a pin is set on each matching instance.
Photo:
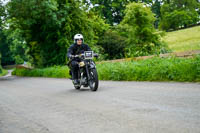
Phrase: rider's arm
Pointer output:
(88, 48)
(69, 51)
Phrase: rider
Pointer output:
(75, 49)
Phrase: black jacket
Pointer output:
(75, 49)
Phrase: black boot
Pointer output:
(75, 81)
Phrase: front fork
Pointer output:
(87, 71)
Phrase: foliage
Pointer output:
(97, 29)
(176, 14)
(155, 69)
(6, 56)
(156, 7)
(142, 39)
(0, 69)
(0, 64)
(4, 72)
(54, 72)
(40, 22)
(2, 14)
(111, 11)
(113, 44)
(40, 31)
(48, 27)
(17, 45)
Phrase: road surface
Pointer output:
(48, 105)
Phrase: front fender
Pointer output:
(92, 65)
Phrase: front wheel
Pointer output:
(94, 82)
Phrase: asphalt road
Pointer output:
(47, 105)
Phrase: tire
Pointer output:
(77, 87)
(94, 82)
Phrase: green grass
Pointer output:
(155, 69)
(183, 40)
(4, 72)
(54, 72)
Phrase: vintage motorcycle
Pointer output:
(87, 73)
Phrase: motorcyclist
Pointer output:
(75, 49)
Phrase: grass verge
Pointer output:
(155, 69)
(4, 72)
(54, 72)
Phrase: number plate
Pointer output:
(88, 54)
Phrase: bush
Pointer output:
(4, 72)
(0, 64)
(156, 69)
(178, 19)
(0, 69)
(177, 14)
(113, 45)
(54, 72)
(142, 39)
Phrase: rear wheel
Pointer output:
(94, 81)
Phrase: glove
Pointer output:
(70, 56)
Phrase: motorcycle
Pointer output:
(87, 73)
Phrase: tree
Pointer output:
(48, 27)
(138, 22)
(6, 55)
(0, 64)
(113, 44)
(17, 45)
(176, 14)
(111, 10)
(156, 6)
(1, 13)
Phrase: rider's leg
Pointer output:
(74, 70)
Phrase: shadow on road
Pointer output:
(73, 90)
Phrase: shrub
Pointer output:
(142, 39)
(0, 64)
(54, 72)
(0, 69)
(155, 69)
(113, 45)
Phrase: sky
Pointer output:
(4, 1)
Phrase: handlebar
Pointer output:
(82, 55)
(75, 56)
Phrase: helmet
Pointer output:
(78, 37)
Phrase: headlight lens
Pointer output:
(81, 64)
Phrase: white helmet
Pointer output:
(78, 37)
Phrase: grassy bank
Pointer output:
(184, 40)
(155, 69)
(54, 72)
(4, 72)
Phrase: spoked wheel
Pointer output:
(77, 87)
(94, 82)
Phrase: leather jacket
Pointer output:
(75, 49)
